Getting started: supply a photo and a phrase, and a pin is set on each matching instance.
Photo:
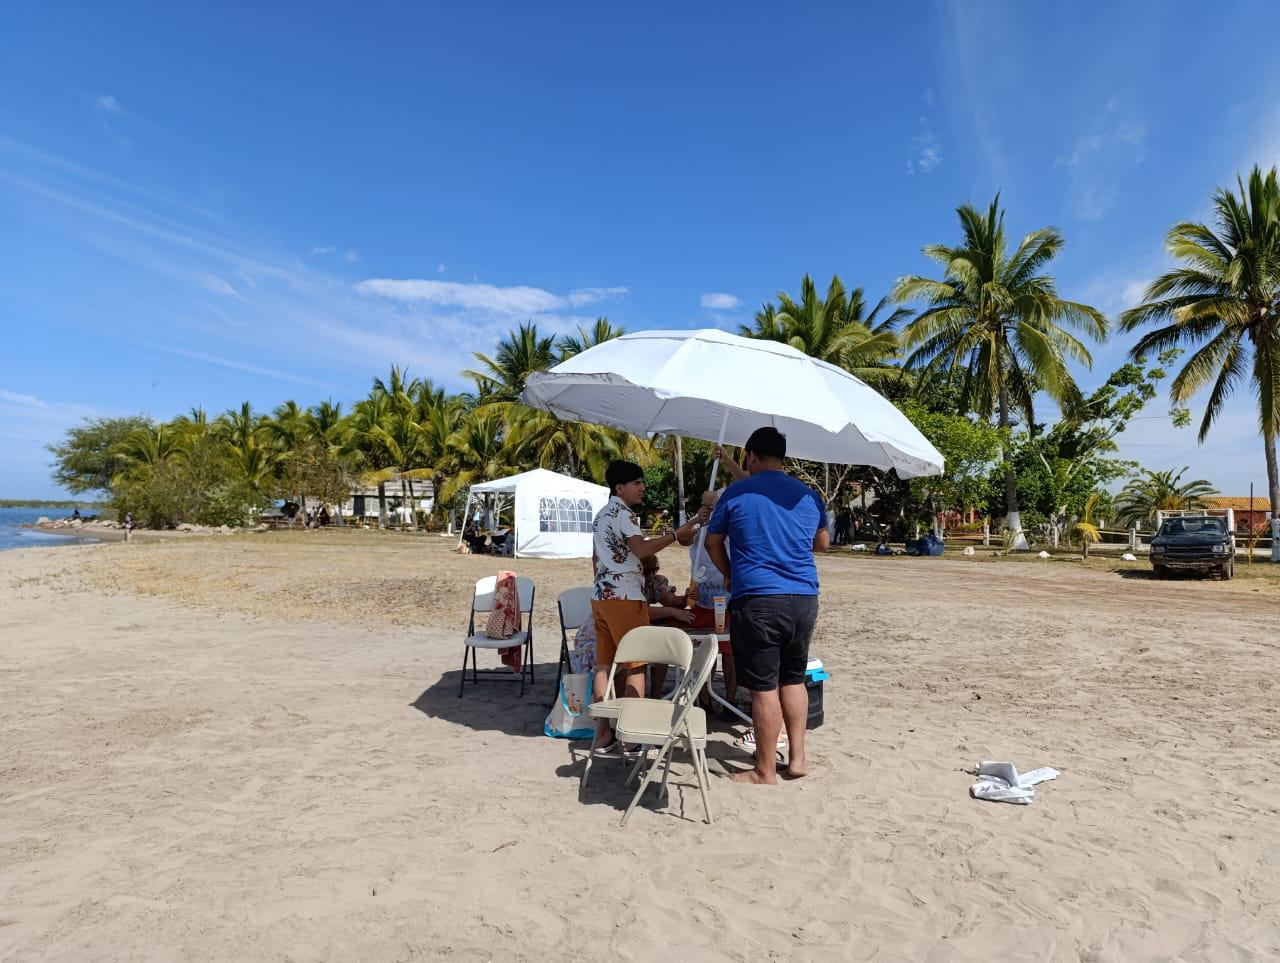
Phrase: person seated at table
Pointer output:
(665, 608)
(705, 584)
(475, 541)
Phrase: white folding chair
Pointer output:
(482, 602)
(652, 644)
(650, 722)
(575, 612)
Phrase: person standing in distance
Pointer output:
(775, 524)
(619, 603)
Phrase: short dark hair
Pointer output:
(621, 473)
(767, 443)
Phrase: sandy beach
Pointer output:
(251, 747)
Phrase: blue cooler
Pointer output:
(814, 676)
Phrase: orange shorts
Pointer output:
(614, 619)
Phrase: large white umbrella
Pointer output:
(713, 385)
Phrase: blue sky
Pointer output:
(272, 201)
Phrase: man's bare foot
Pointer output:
(754, 778)
(797, 768)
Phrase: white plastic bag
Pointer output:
(568, 717)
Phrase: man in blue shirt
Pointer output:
(776, 524)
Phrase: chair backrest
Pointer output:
(483, 601)
(655, 644)
(575, 608)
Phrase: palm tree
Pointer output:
(835, 329)
(995, 321)
(363, 444)
(1086, 530)
(1225, 299)
(519, 354)
(242, 430)
(598, 333)
(1155, 491)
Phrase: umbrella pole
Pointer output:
(711, 486)
(462, 527)
(679, 458)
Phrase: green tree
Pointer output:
(835, 329)
(518, 355)
(1225, 299)
(1154, 491)
(88, 457)
(996, 324)
(598, 333)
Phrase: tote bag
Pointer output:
(568, 717)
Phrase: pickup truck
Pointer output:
(1198, 543)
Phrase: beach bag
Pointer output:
(568, 717)
(504, 617)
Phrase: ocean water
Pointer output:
(12, 535)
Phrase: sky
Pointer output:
(206, 204)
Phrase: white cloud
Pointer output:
(584, 296)
(440, 269)
(351, 255)
(108, 103)
(719, 301)
(926, 150)
(276, 373)
(511, 301)
(14, 397)
(322, 249)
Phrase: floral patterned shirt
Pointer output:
(618, 571)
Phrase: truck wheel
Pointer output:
(1160, 571)
(1229, 569)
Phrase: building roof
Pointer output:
(1261, 503)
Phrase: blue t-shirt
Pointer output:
(771, 519)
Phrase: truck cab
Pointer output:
(1200, 543)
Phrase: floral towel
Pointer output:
(504, 618)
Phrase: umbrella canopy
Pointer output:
(717, 386)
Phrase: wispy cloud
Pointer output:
(719, 301)
(511, 301)
(1115, 140)
(926, 150)
(27, 418)
(351, 255)
(108, 104)
(322, 249)
(244, 366)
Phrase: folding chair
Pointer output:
(575, 612)
(654, 723)
(645, 643)
(482, 602)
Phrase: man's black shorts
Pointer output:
(770, 636)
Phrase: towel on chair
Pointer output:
(504, 618)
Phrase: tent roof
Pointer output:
(538, 478)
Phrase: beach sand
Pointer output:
(252, 748)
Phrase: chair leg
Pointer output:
(591, 755)
(475, 676)
(462, 679)
(529, 651)
(666, 774)
(644, 783)
(700, 767)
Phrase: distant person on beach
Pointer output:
(75, 515)
(128, 526)
(775, 523)
(619, 603)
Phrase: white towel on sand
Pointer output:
(1001, 782)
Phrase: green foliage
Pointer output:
(89, 456)
(1154, 491)
(970, 448)
(835, 329)
(1225, 301)
(995, 324)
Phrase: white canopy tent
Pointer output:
(553, 512)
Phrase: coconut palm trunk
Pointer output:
(1273, 473)
(1013, 517)
(382, 504)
